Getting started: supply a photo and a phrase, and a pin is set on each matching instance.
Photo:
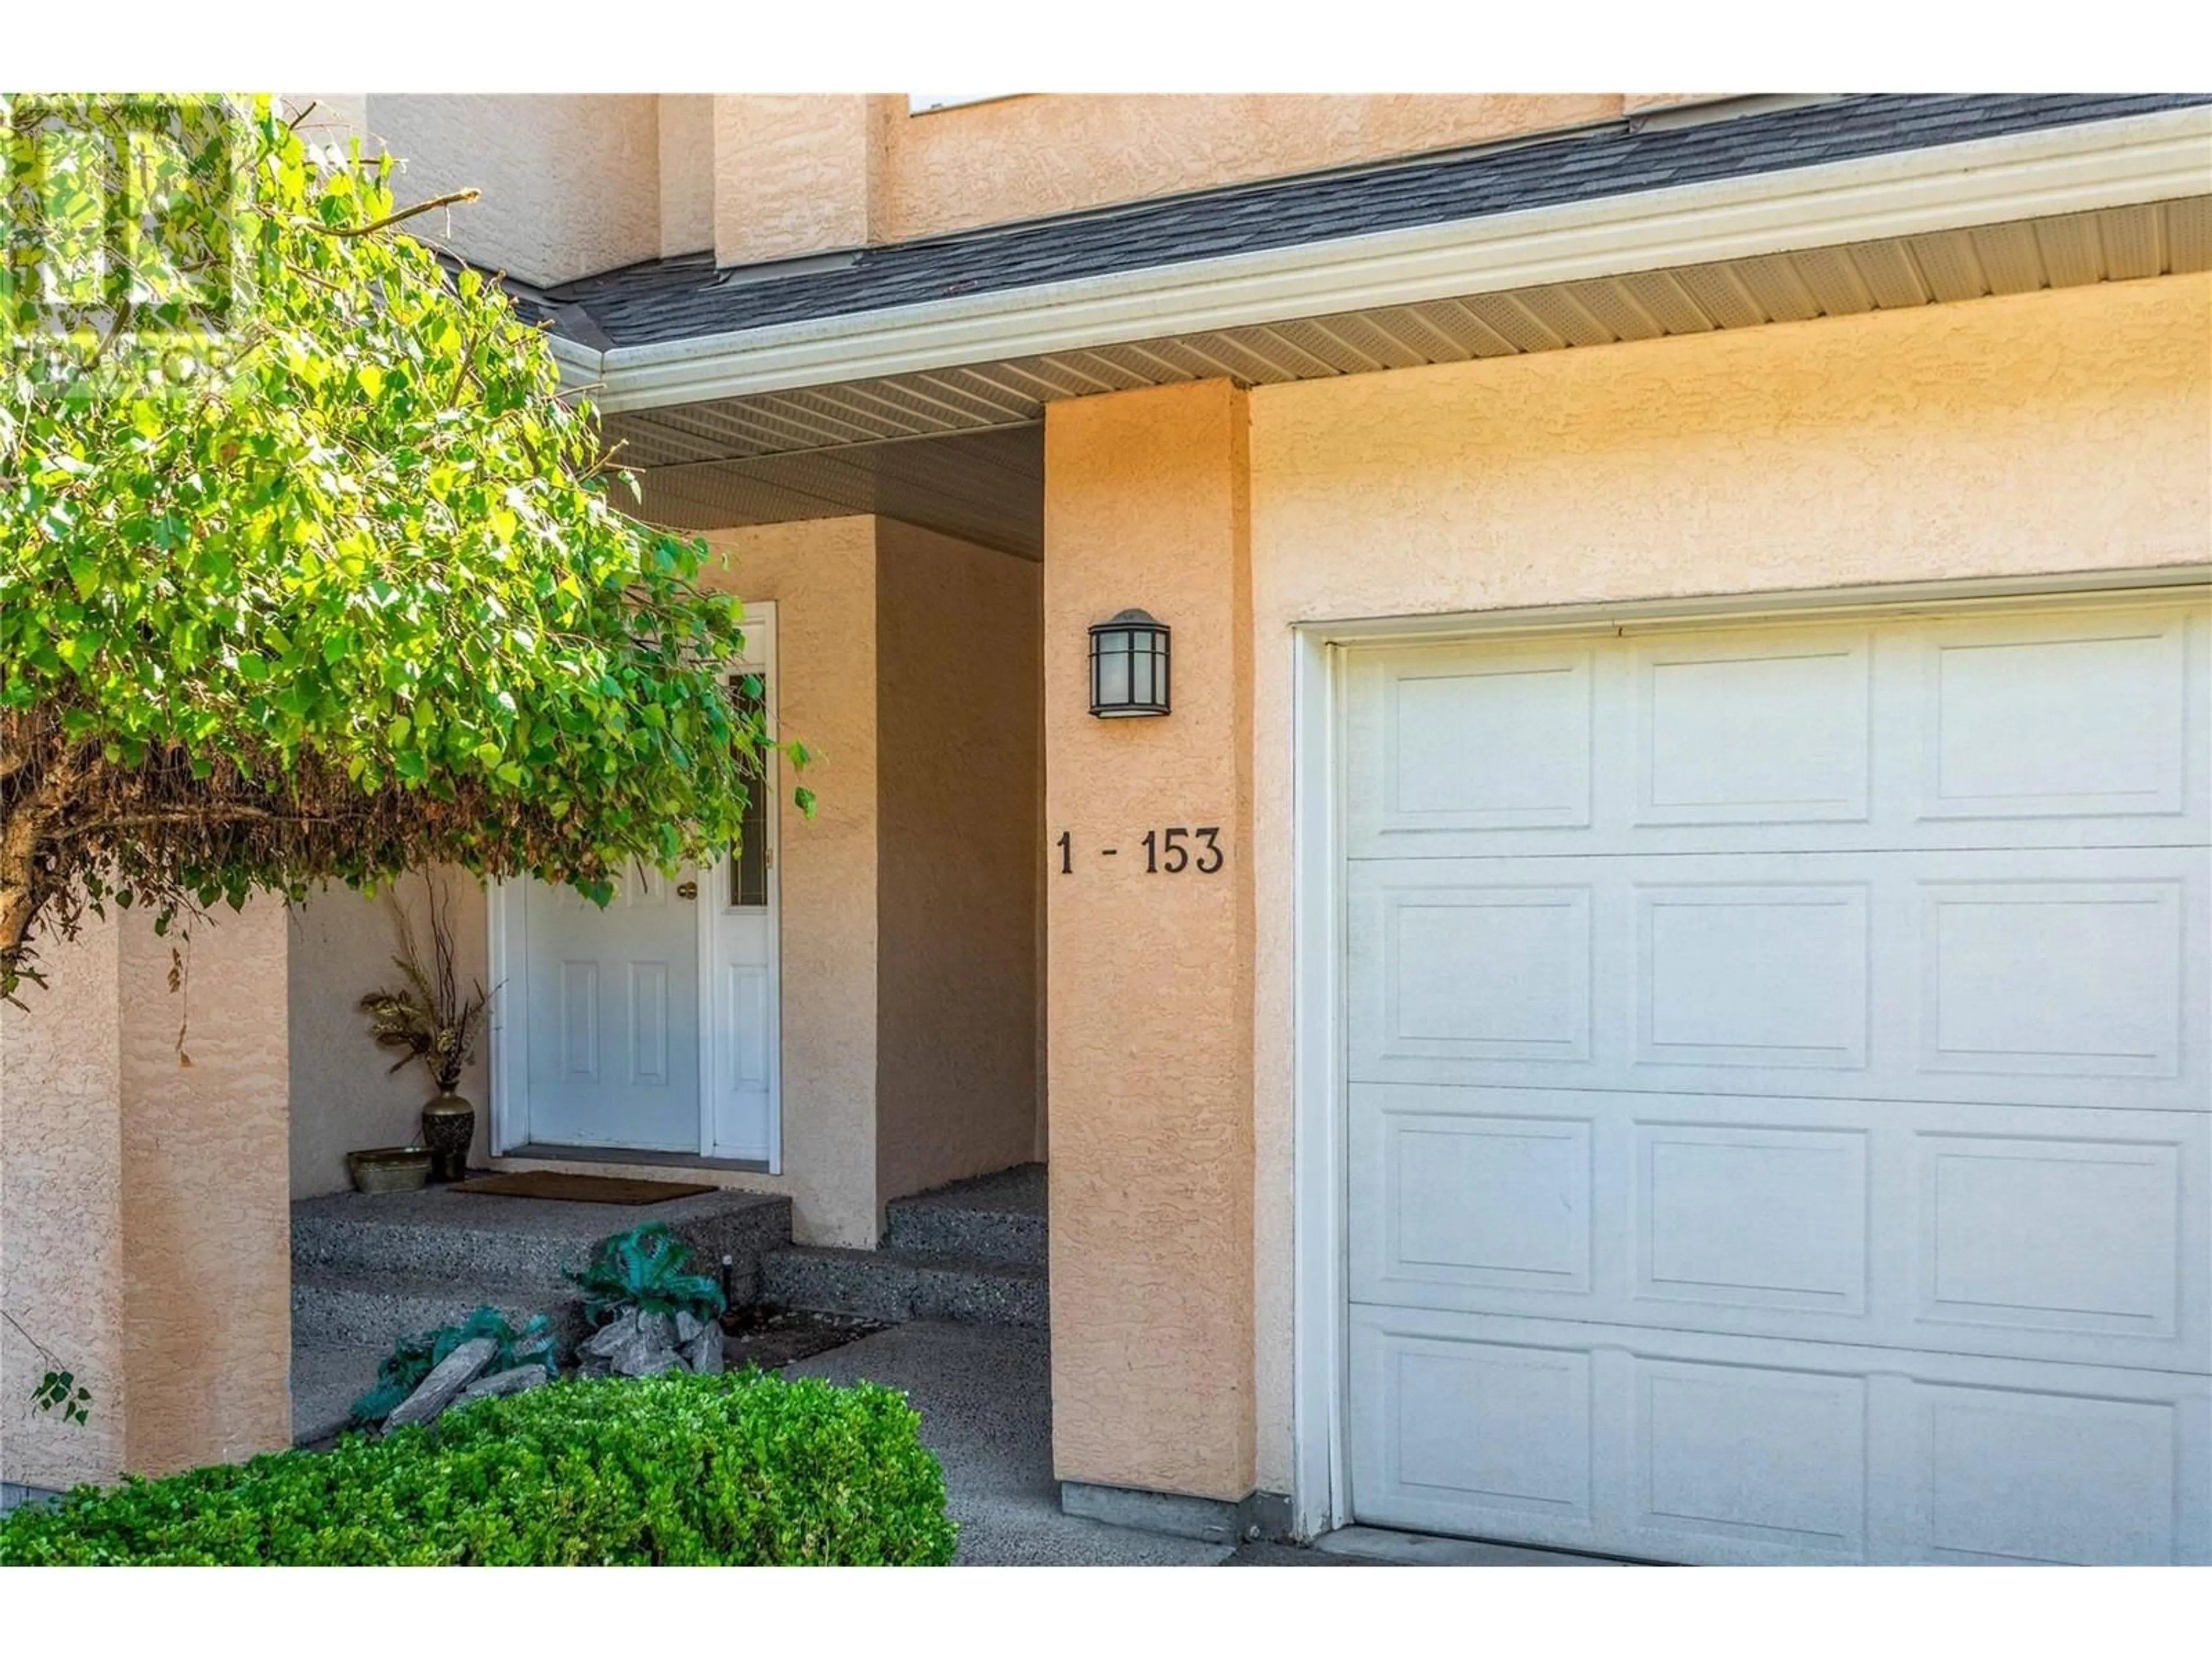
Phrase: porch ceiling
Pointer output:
(958, 449)
(983, 485)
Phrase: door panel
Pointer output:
(1689, 1446)
(614, 1008)
(2039, 1233)
(1778, 1068)
(2055, 977)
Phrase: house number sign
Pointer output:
(1169, 852)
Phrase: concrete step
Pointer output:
(334, 1308)
(339, 1241)
(1000, 1217)
(439, 1233)
(895, 1285)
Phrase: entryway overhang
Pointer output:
(911, 381)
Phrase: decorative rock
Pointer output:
(612, 1336)
(451, 1374)
(635, 1343)
(518, 1379)
(644, 1355)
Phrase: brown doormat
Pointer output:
(580, 1188)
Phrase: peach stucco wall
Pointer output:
(2053, 432)
(1149, 976)
(687, 171)
(207, 1223)
(144, 1237)
(61, 1207)
(570, 182)
(576, 184)
(1023, 158)
(960, 754)
(2056, 432)
(794, 174)
(821, 575)
(809, 174)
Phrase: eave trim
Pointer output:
(2050, 171)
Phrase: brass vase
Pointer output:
(449, 1124)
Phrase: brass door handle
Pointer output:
(688, 889)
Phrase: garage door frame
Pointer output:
(1321, 1379)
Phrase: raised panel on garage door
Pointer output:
(2083, 726)
(1678, 1445)
(2027, 1232)
(2061, 977)
(1779, 1070)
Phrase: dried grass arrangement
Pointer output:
(427, 1015)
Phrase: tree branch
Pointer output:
(450, 198)
(197, 814)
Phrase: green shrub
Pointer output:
(744, 1469)
(415, 1357)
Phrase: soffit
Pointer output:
(2115, 245)
(984, 487)
(859, 447)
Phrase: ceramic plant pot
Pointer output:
(449, 1124)
(388, 1169)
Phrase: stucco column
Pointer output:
(1149, 993)
(145, 1228)
(796, 174)
(61, 1212)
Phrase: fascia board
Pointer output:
(2059, 170)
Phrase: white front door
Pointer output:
(612, 1002)
(651, 1025)
(1780, 1108)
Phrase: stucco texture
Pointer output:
(958, 780)
(1026, 157)
(794, 174)
(61, 1211)
(207, 1222)
(821, 575)
(576, 184)
(2053, 432)
(570, 182)
(144, 1230)
(345, 1095)
(809, 174)
(1149, 976)
(687, 171)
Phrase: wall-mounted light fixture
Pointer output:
(1129, 666)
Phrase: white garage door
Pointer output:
(1779, 1085)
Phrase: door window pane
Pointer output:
(748, 868)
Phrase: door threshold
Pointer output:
(538, 1153)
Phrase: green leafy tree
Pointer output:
(307, 570)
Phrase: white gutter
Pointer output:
(2056, 170)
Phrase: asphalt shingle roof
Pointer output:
(684, 297)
